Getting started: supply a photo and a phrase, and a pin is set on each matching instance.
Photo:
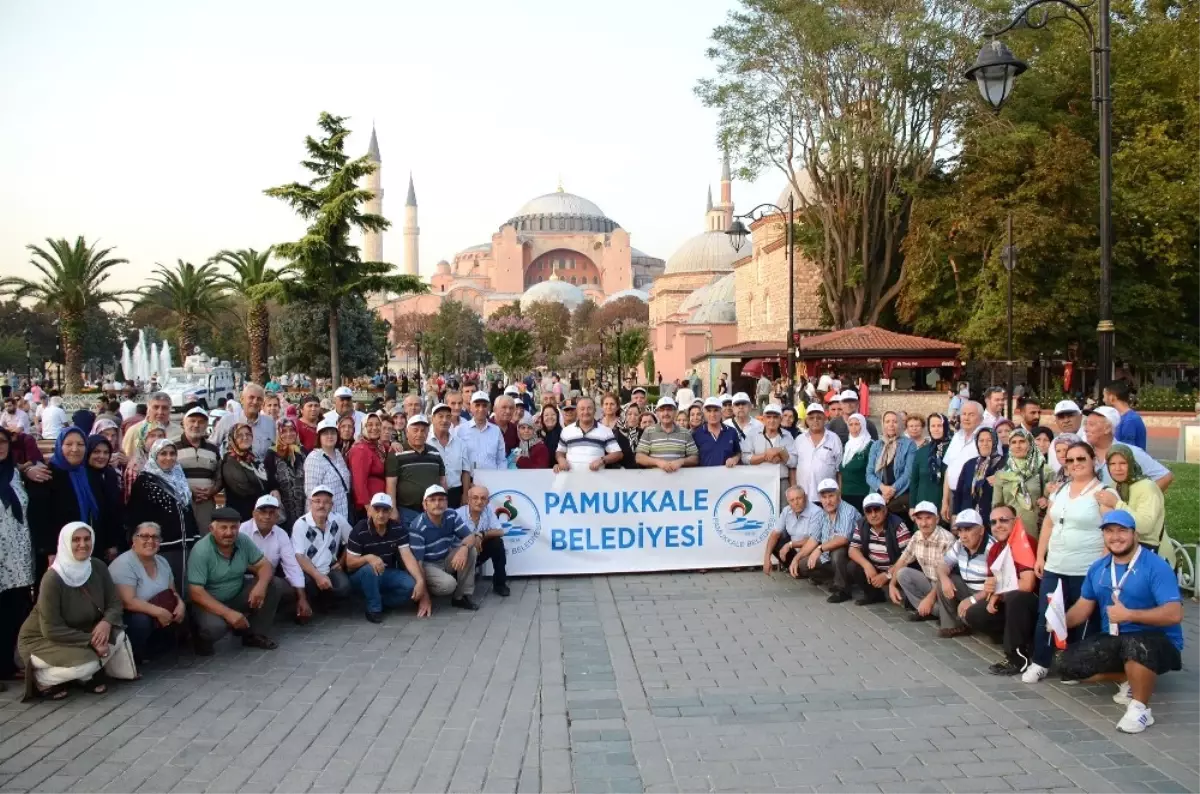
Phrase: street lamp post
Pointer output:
(995, 70)
(1010, 264)
(737, 237)
(29, 356)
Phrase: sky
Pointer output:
(154, 127)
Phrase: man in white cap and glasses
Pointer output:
(727, 409)
(638, 398)
(849, 403)
(818, 451)
(484, 441)
(411, 471)
(962, 574)
(746, 426)
(446, 548)
(1102, 424)
(1069, 419)
(927, 549)
(343, 405)
(276, 546)
(201, 463)
(878, 542)
(716, 443)
(665, 445)
(825, 552)
(381, 564)
(775, 446)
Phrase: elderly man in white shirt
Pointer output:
(343, 405)
(960, 450)
(275, 544)
(818, 451)
(484, 441)
(453, 451)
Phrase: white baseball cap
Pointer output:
(925, 507)
(434, 490)
(321, 489)
(713, 402)
(511, 390)
(726, 398)
(827, 484)
(773, 409)
(848, 394)
(196, 410)
(873, 500)
(1111, 414)
(418, 419)
(741, 397)
(480, 397)
(440, 407)
(381, 500)
(266, 501)
(663, 402)
(344, 391)
(815, 408)
(1066, 407)
(326, 424)
(968, 518)
(638, 389)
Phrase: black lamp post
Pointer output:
(1010, 264)
(737, 237)
(29, 355)
(417, 337)
(996, 68)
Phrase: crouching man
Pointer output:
(480, 522)
(446, 549)
(381, 563)
(1140, 614)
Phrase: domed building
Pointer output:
(557, 238)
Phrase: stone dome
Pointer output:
(707, 252)
(443, 267)
(718, 304)
(695, 300)
(553, 290)
(559, 203)
(641, 295)
(561, 211)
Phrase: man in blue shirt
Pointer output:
(1140, 609)
(1131, 430)
(719, 444)
(826, 552)
(795, 525)
(446, 549)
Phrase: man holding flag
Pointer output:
(1008, 602)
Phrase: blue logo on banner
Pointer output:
(743, 516)
(518, 516)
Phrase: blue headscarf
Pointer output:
(88, 509)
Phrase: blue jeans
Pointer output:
(146, 636)
(391, 588)
(1043, 641)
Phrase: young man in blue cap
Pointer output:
(1141, 610)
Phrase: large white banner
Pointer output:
(620, 520)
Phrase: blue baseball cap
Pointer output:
(1121, 518)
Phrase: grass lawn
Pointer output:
(1183, 503)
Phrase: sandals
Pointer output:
(259, 641)
(97, 684)
(56, 692)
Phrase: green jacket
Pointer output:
(923, 485)
(854, 475)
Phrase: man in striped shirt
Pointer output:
(446, 548)
(962, 573)
(664, 445)
(201, 462)
(878, 543)
(586, 443)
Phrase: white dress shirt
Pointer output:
(455, 456)
(783, 440)
(484, 523)
(746, 435)
(960, 450)
(485, 446)
(277, 547)
(816, 462)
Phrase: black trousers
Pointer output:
(15, 605)
(493, 549)
(1013, 622)
(785, 559)
(858, 576)
(454, 497)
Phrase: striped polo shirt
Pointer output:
(973, 568)
(432, 542)
(673, 445)
(582, 448)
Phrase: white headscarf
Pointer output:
(73, 572)
(856, 443)
(175, 479)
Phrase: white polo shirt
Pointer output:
(455, 456)
(583, 448)
(960, 450)
(816, 462)
(320, 546)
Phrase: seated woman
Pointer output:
(146, 586)
(70, 632)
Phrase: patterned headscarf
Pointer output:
(245, 456)
(281, 449)
(938, 446)
(174, 478)
(1135, 469)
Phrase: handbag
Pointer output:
(119, 663)
(166, 600)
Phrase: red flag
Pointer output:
(1023, 552)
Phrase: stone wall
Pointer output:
(910, 402)
(762, 287)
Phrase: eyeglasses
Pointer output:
(149, 538)
(874, 509)
(1080, 459)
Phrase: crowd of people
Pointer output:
(166, 536)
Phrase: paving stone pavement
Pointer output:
(725, 681)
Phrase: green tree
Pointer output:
(550, 323)
(583, 322)
(254, 278)
(193, 297)
(362, 341)
(456, 333)
(852, 101)
(328, 267)
(72, 279)
(510, 339)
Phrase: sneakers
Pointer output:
(1006, 667)
(1137, 718)
(1034, 673)
(1124, 694)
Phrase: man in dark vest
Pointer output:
(876, 546)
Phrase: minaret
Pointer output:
(373, 241)
(726, 193)
(412, 232)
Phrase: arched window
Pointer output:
(595, 280)
(572, 279)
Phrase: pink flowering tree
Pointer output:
(510, 340)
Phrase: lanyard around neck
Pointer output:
(1112, 570)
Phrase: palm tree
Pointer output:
(72, 282)
(258, 283)
(193, 295)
